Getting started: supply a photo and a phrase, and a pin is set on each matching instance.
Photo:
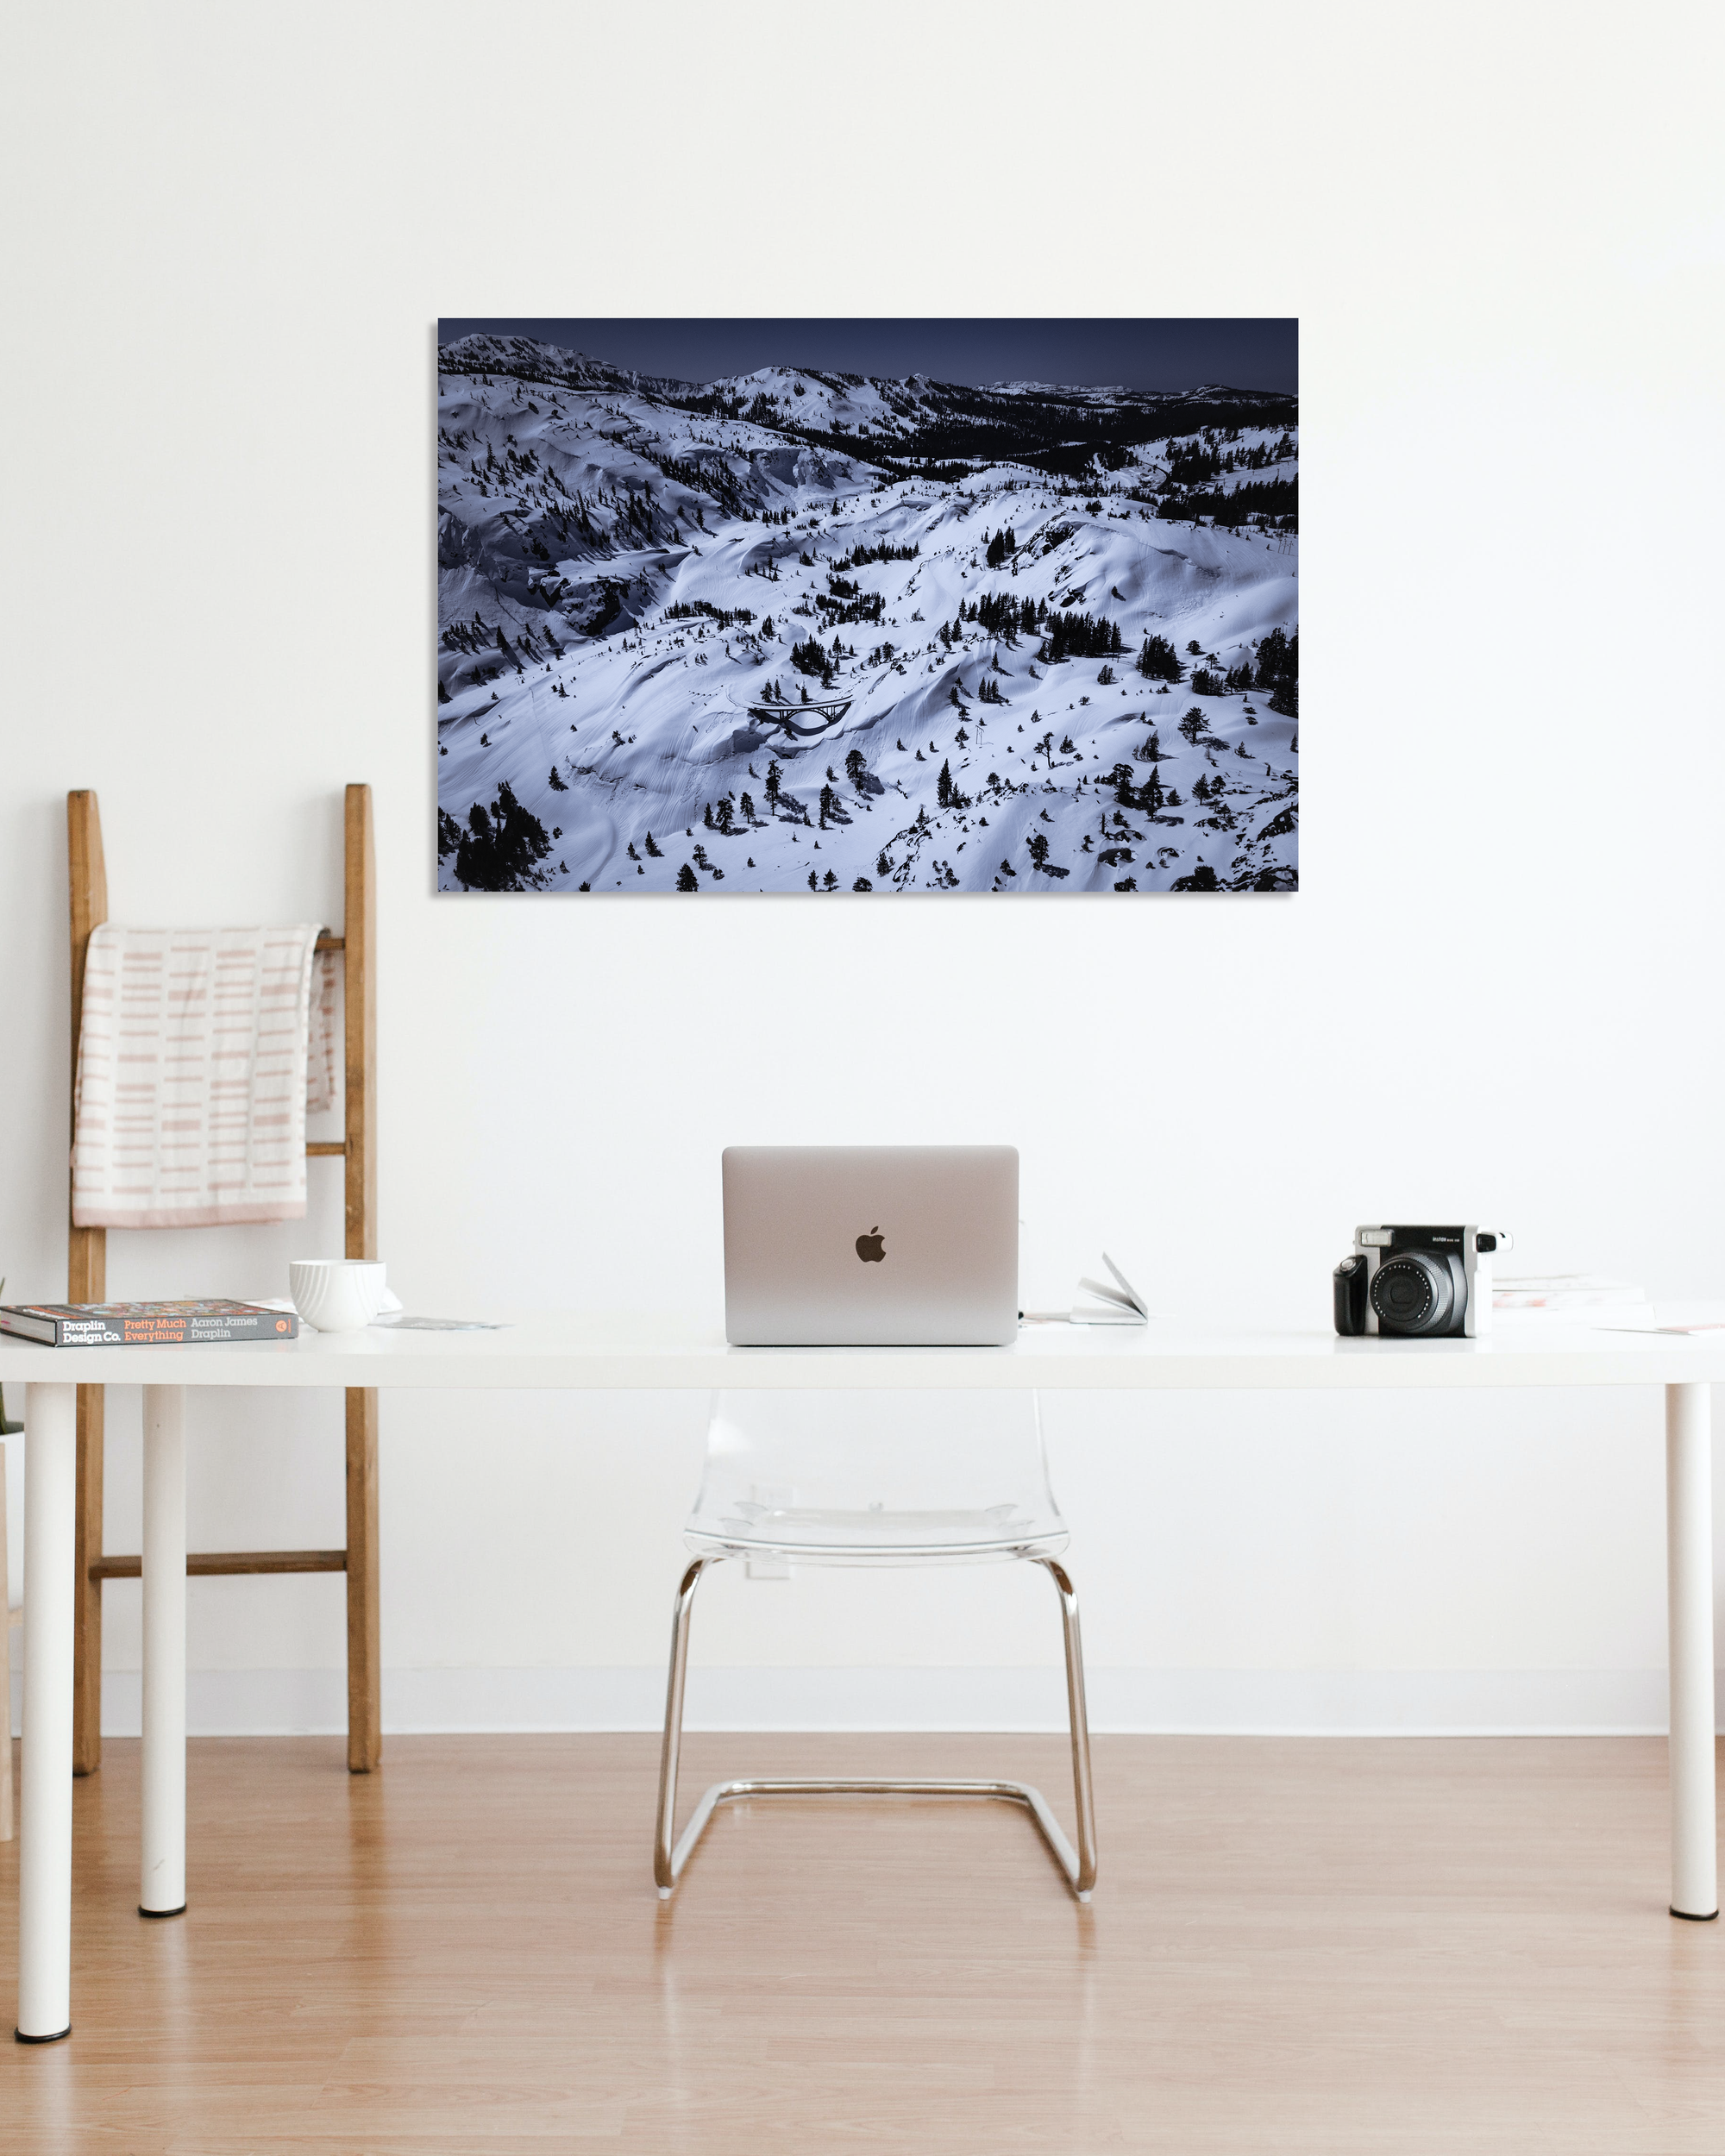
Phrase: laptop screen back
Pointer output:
(871, 1245)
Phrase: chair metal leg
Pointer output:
(1079, 1866)
(665, 1866)
(1079, 1722)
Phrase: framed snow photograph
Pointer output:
(867, 607)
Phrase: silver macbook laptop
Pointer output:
(871, 1245)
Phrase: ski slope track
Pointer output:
(747, 634)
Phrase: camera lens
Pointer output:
(1413, 1293)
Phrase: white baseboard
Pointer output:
(1356, 1702)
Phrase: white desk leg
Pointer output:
(45, 1839)
(162, 1892)
(1688, 1583)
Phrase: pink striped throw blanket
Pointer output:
(319, 1047)
(191, 1095)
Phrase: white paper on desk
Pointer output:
(1713, 1324)
(405, 1321)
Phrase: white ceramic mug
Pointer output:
(336, 1295)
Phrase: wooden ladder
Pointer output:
(87, 1282)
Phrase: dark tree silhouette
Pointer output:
(1158, 661)
(501, 847)
(859, 555)
(1077, 637)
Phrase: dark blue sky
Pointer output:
(1245, 353)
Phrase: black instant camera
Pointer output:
(1418, 1283)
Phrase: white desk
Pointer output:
(664, 1354)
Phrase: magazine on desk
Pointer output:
(144, 1324)
(1098, 1303)
(1121, 1304)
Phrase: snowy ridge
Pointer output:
(882, 634)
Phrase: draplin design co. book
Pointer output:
(144, 1324)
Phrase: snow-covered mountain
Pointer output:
(798, 630)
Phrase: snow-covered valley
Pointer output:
(795, 632)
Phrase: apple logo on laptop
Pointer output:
(871, 1248)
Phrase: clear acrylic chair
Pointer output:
(878, 1478)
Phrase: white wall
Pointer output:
(1496, 995)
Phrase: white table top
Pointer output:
(629, 1351)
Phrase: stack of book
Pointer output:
(144, 1324)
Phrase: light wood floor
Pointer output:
(1295, 1945)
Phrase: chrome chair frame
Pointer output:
(1079, 1869)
